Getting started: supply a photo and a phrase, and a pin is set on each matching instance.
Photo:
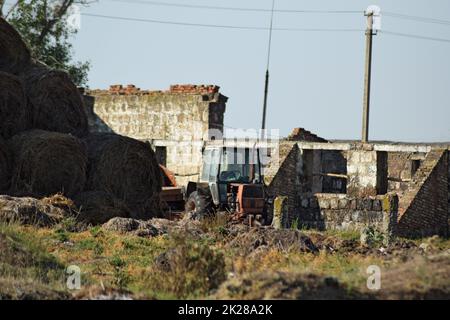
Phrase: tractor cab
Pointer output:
(231, 180)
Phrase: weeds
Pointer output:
(372, 237)
(62, 235)
(191, 269)
(295, 224)
(216, 223)
(96, 231)
(121, 277)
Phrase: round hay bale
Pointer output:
(56, 102)
(97, 207)
(47, 163)
(15, 116)
(14, 53)
(4, 166)
(127, 169)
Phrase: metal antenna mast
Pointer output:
(266, 87)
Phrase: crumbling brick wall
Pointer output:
(401, 168)
(283, 177)
(300, 134)
(424, 205)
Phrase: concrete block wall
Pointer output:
(366, 172)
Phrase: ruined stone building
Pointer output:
(176, 122)
(397, 188)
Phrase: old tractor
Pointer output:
(230, 180)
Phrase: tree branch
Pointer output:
(11, 9)
(56, 16)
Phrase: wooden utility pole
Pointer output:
(367, 79)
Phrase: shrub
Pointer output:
(191, 269)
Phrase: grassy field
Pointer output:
(214, 263)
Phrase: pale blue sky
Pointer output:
(316, 77)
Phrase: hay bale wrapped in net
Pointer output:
(56, 102)
(4, 166)
(15, 116)
(127, 169)
(47, 163)
(14, 53)
(98, 207)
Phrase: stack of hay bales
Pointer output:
(45, 146)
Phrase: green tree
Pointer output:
(43, 25)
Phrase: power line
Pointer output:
(246, 9)
(192, 6)
(416, 18)
(258, 28)
(407, 35)
(218, 25)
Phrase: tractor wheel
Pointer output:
(199, 205)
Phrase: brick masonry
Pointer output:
(423, 208)
(282, 177)
(300, 134)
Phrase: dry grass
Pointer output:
(198, 266)
(27, 270)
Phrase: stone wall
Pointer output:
(302, 178)
(343, 212)
(182, 116)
